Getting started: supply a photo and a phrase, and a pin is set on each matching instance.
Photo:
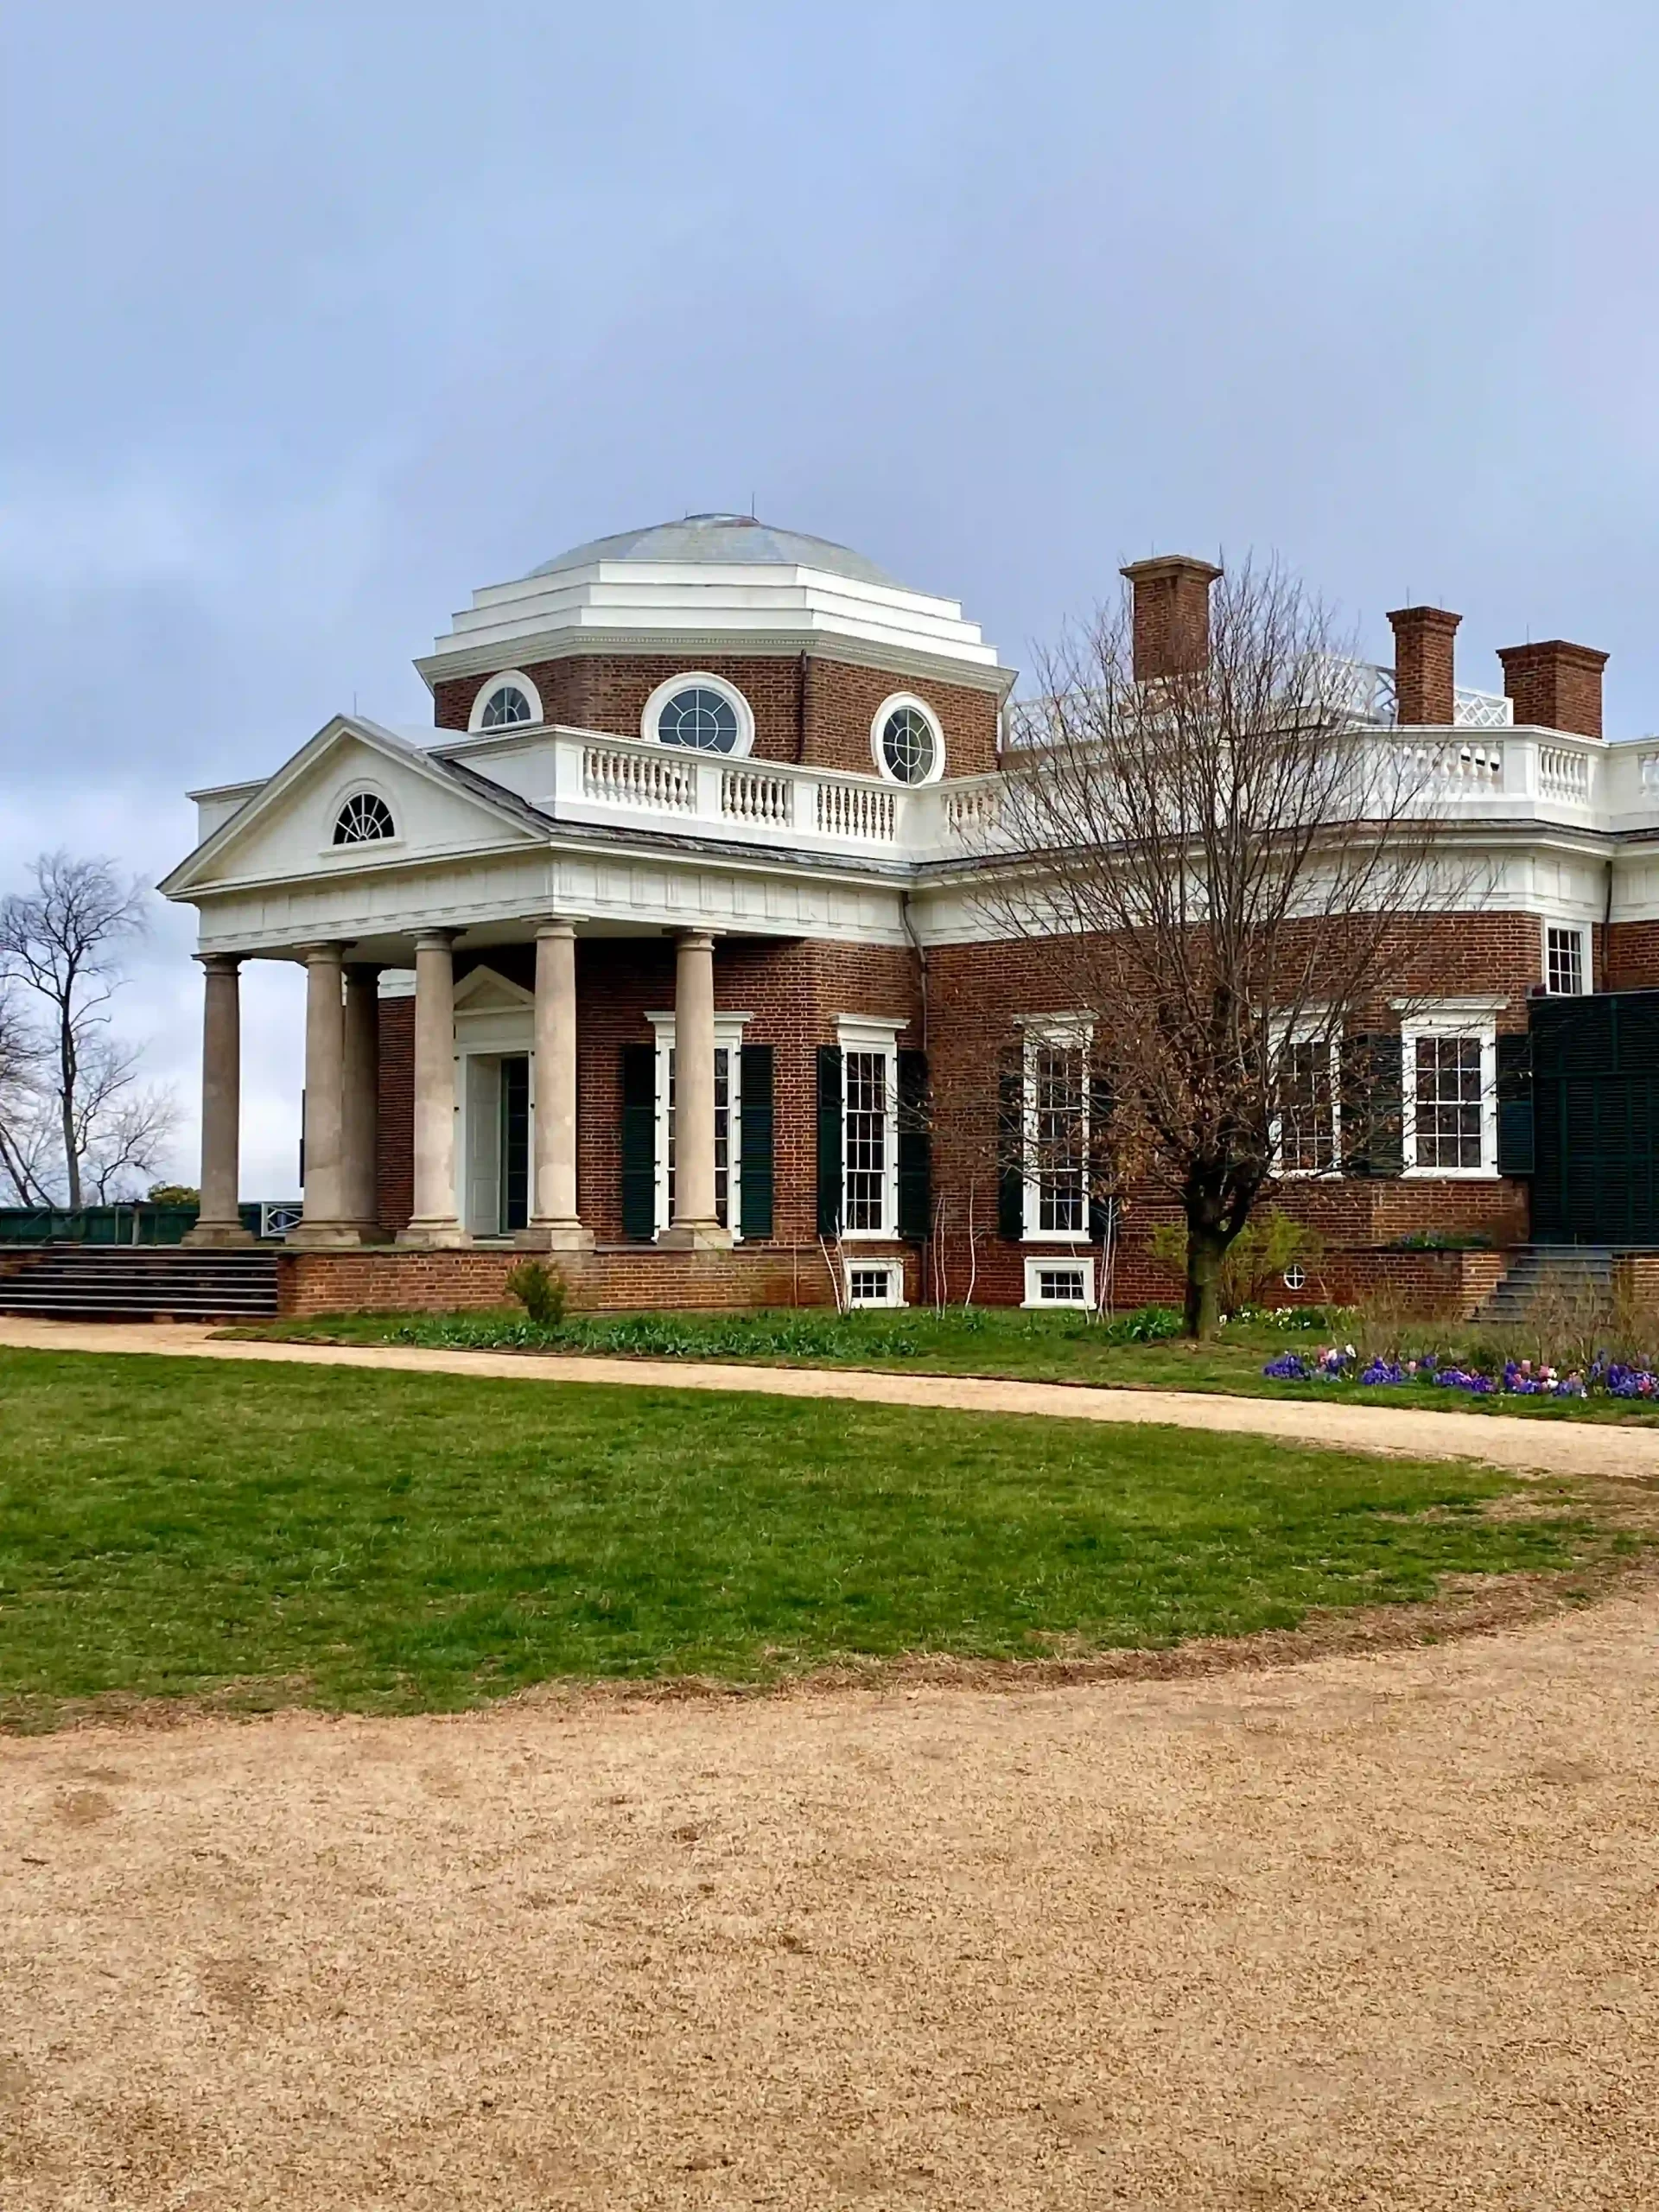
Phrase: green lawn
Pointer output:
(363, 1539)
(983, 1340)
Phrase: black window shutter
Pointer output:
(1514, 1131)
(1011, 1144)
(1100, 1119)
(755, 1143)
(640, 1142)
(828, 1139)
(1373, 1111)
(915, 1148)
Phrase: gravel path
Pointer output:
(1375, 1933)
(1539, 1446)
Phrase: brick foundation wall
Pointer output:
(634, 1278)
(807, 706)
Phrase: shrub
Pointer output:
(542, 1291)
(1257, 1257)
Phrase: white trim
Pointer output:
(703, 681)
(1039, 1264)
(492, 684)
(1072, 1033)
(1579, 930)
(874, 1034)
(728, 1039)
(878, 722)
(1450, 1018)
(892, 1270)
(1307, 1029)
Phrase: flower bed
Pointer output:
(1519, 1378)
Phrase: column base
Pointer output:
(219, 1236)
(324, 1237)
(438, 1234)
(554, 1236)
(695, 1236)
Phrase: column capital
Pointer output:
(553, 925)
(220, 963)
(436, 940)
(697, 940)
(321, 950)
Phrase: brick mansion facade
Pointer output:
(650, 953)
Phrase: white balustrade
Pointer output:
(658, 781)
(757, 795)
(1525, 772)
(1476, 770)
(1563, 775)
(868, 812)
(973, 812)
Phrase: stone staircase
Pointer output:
(1578, 1273)
(139, 1283)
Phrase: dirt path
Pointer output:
(1365, 1933)
(1534, 1447)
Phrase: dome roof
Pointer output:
(725, 540)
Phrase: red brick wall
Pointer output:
(793, 988)
(807, 706)
(394, 1177)
(1632, 959)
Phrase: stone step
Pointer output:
(81, 1282)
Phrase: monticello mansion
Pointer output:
(643, 955)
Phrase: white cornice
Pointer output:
(688, 645)
(720, 605)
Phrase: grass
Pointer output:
(363, 1540)
(982, 1340)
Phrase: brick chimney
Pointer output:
(1556, 685)
(1423, 687)
(1172, 614)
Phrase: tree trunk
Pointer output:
(67, 1074)
(1206, 1247)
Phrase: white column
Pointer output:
(218, 1221)
(553, 1225)
(436, 1220)
(324, 1222)
(360, 1083)
(694, 1227)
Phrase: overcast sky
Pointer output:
(322, 315)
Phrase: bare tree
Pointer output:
(1225, 872)
(61, 943)
(24, 1125)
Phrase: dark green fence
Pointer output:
(136, 1224)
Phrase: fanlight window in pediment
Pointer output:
(363, 820)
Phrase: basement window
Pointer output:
(876, 1282)
(1059, 1282)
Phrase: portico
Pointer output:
(456, 1139)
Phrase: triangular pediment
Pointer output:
(285, 829)
(481, 990)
